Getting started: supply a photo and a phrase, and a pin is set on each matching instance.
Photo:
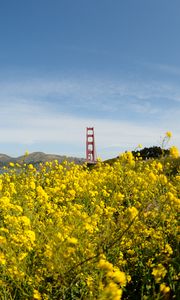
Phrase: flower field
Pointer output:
(109, 232)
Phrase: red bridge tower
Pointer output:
(90, 145)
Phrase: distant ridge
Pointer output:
(4, 158)
(38, 157)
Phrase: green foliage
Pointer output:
(151, 152)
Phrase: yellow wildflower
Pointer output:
(2, 259)
(132, 212)
(37, 295)
(2, 240)
(111, 291)
(168, 134)
(118, 277)
(72, 240)
(30, 167)
(164, 288)
(174, 152)
(159, 272)
(31, 235)
(105, 265)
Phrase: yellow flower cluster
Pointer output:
(73, 232)
(174, 152)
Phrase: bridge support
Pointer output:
(90, 145)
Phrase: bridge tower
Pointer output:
(90, 145)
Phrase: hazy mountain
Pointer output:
(38, 157)
(4, 158)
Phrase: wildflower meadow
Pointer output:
(109, 232)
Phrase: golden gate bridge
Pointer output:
(90, 146)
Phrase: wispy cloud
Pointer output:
(53, 111)
(168, 69)
(37, 125)
(91, 92)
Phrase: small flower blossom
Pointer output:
(164, 288)
(169, 134)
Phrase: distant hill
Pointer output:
(38, 157)
(4, 158)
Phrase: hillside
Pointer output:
(38, 157)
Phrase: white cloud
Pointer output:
(38, 125)
(28, 116)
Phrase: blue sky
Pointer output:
(111, 64)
